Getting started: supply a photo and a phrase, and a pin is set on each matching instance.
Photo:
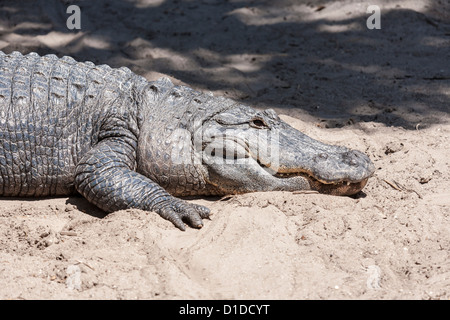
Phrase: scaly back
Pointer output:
(51, 111)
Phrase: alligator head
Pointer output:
(196, 144)
(245, 150)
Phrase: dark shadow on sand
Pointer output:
(331, 69)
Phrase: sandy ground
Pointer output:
(385, 92)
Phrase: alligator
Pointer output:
(121, 141)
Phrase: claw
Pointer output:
(204, 212)
(194, 219)
(173, 217)
(179, 224)
(178, 212)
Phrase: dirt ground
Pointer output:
(385, 92)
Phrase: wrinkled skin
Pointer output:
(123, 142)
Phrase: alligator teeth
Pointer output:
(283, 174)
(337, 183)
(347, 183)
(286, 174)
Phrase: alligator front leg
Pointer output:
(105, 177)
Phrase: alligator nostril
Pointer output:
(351, 158)
(321, 156)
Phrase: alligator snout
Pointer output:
(351, 157)
(340, 164)
(340, 171)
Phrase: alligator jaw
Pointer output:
(344, 188)
(341, 188)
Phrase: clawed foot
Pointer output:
(179, 211)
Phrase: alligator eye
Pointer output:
(258, 123)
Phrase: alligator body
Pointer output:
(123, 142)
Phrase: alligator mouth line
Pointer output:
(339, 188)
(308, 176)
